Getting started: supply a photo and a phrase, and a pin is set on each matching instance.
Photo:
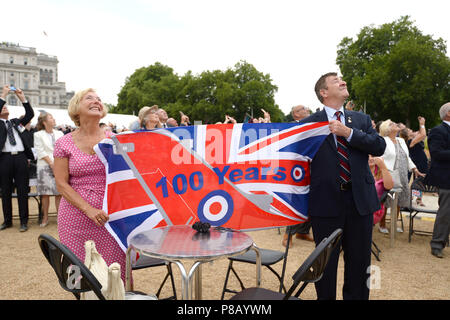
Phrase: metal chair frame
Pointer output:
(148, 262)
(63, 262)
(73, 275)
(310, 271)
(268, 258)
(419, 185)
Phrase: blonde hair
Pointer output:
(74, 106)
(385, 128)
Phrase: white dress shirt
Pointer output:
(331, 114)
(19, 144)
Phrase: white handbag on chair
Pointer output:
(115, 289)
(112, 285)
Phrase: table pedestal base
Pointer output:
(194, 276)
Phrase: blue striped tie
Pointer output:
(342, 150)
(9, 129)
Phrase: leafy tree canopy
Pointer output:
(396, 72)
(208, 96)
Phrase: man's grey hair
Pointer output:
(297, 106)
(444, 110)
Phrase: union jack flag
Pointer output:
(242, 176)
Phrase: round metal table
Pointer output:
(181, 242)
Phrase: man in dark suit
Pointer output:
(439, 176)
(342, 191)
(14, 156)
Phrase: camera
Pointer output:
(12, 88)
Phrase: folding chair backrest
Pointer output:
(73, 275)
(313, 267)
(419, 185)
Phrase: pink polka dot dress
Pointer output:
(87, 176)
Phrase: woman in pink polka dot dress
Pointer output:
(80, 177)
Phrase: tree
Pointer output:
(156, 84)
(208, 96)
(396, 72)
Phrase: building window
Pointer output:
(11, 60)
(25, 85)
(12, 101)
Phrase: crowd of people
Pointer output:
(371, 158)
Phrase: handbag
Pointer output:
(396, 179)
(115, 289)
(109, 278)
(395, 173)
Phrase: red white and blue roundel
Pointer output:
(216, 208)
(297, 173)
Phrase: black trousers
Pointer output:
(356, 243)
(14, 170)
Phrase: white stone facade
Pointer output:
(35, 73)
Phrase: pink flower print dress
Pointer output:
(87, 176)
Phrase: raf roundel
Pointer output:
(216, 208)
(297, 173)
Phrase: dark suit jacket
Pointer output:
(29, 114)
(439, 146)
(325, 194)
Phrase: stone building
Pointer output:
(35, 73)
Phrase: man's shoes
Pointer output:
(304, 236)
(5, 226)
(437, 253)
(23, 228)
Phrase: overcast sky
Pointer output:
(100, 43)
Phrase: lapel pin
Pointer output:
(349, 120)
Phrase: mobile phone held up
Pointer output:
(12, 88)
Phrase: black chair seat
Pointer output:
(423, 209)
(260, 294)
(145, 262)
(268, 257)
